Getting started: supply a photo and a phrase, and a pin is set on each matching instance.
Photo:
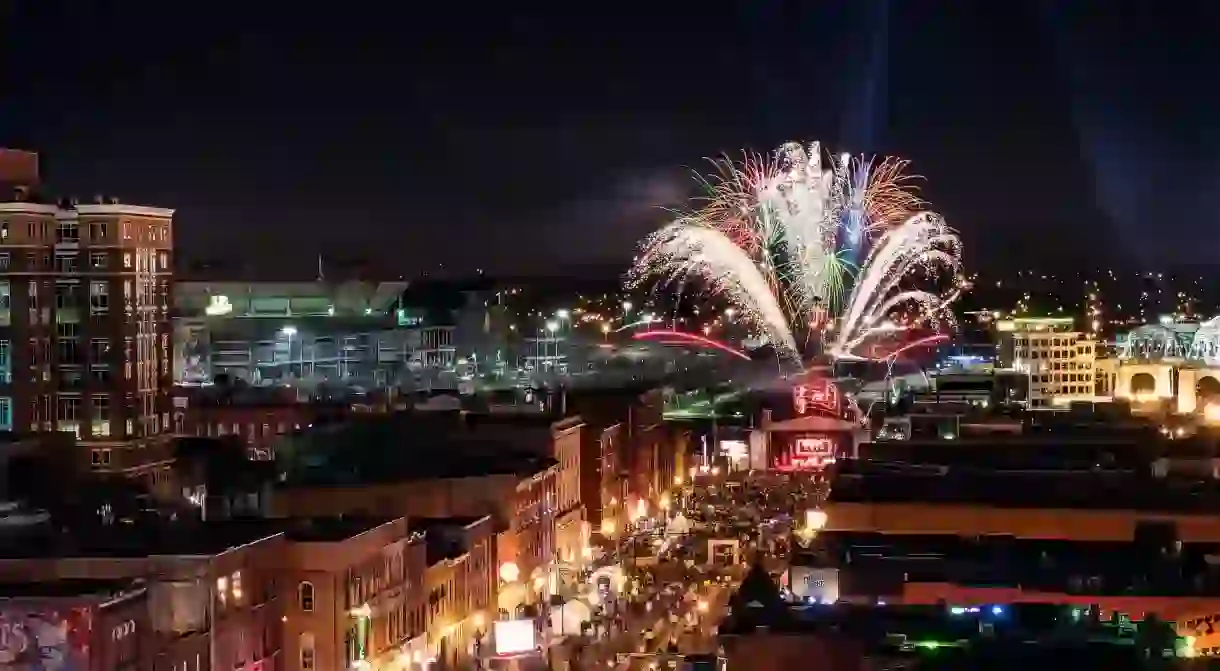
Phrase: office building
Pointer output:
(1058, 360)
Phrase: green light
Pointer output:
(928, 645)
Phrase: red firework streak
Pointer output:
(893, 350)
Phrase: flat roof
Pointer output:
(332, 529)
(69, 588)
(1091, 490)
(1020, 635)
(1005, 562)
(1001, 455)
(142, 540)
(414, 446)
(443, 546)
(424, 524)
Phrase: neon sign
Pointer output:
(817, 395)
(808, 454)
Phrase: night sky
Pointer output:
(513, 139)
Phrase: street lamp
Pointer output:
(552, 326)
(289, 331)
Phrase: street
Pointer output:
(680, 583)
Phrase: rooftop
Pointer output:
(1004, 454)
(71, 588)
(881, 563)
(413, 446)
(876, 482)
(123, 541)
(442, 541)
(332, 529)
(1015, 636)
(432, 523)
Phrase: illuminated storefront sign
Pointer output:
(808, 454)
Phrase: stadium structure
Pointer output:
(350, 333)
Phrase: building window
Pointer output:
(97, 260)
(65, 263)
(97, 231)
(305, 596)
(67, 414)
(6, 295)
(69, 231)
(307, 651)
(65, 297)
(67, 342)
(4, 261)
(99, 351)
(6, 413)
(6, 361)
(100, 457)
(126, 256)
(101, 415)
(99, 298)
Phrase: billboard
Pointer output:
(192, 353)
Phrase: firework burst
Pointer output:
(787, 241)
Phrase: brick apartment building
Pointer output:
(255, 416)
(252, 595)
(353, 590)
(85, 293)
(459, 587)
(637, 456)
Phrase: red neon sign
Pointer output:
(817, 395)
(808, 454)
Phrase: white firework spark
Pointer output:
(779, 238)
(681, 250)
(921, 242)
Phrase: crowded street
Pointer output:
(679, 570)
